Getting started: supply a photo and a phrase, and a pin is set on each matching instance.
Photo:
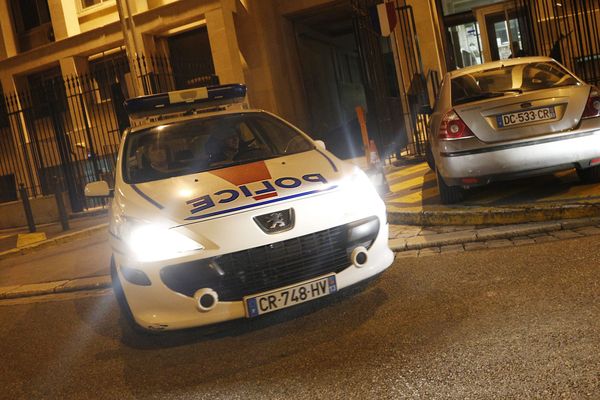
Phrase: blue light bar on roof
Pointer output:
(185, 100)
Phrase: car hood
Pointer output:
(225, 191)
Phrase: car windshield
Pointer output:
(518, 78)
(203, 144)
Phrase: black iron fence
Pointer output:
(66, 131)
(567, 30)
(385, 117)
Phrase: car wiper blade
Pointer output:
(239, 162)
(479, 96)
(515, 90)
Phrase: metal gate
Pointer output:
(385, 115)
(401, 124)
(66, 131)
(567, 30)
(416, 94)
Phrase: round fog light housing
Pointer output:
(359, 256)
(206, 299)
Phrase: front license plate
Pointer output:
(524, 117)
(277, 299)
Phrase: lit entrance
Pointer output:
(479, 31)
(503, 33)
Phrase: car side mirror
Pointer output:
(98, 189)
(320, 145)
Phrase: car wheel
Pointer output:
(429, 157)
(126, 314)
(449, 194)
(589, 175)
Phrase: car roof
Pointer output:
(203, 115)
(498, 64)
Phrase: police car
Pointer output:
(221, 212)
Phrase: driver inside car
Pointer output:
(225, 147)
(158, 156)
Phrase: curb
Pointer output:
(492, 216)
(499, 232)
(64, 286)
(93, 213)
(69, 237)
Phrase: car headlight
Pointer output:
(152, 242)
(361, 187)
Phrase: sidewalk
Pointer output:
(13, 237)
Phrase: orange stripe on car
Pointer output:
(243, 174)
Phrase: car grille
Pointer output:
(263, 268)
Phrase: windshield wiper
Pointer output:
(479, 96)
(220, 165)
(515, 90)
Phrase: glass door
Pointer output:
(503, 35)
(465, 40)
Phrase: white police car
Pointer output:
(223, 214)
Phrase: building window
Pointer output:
(90, 3)
(29, 14)
(190, 58)
(47, 89)
(110, 73)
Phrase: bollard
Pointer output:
(60, 205)
(27, 207)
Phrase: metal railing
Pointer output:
(568, 31)
(66, 131)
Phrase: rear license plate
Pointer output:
(524, 117)
(277, 299)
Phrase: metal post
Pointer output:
(60, 205)
(130, 49)
(27, 207)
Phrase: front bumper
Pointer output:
(520, 159)
(172, 306)
(158, 307)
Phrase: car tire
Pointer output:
(126, 314)
(429, 157)
(449, 194)
(589, 175)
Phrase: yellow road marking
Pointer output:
(399, 193)
(25, 239)
(419, 180)
(417, 196)
(408, 171)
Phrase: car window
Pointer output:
(203, 144)
(496, 82)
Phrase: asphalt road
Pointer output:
(509, 323)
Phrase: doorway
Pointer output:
(489, 32)
(332, 78)
(503, 33)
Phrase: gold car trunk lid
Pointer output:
(523, 115)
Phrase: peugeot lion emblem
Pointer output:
(276, 222)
